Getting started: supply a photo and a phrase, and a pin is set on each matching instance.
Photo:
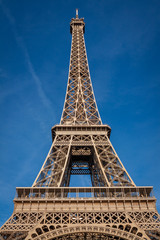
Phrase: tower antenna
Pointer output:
(76, 12)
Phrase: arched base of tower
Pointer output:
(87, 232)
(88, 236)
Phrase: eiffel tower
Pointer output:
(114, 207)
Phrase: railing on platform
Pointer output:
(83, 192)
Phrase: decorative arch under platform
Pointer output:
(86, 232)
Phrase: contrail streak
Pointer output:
(20, 43)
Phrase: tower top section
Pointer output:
(80, 106)
(77, 22)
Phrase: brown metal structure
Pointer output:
(114, 207)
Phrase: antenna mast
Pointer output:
(76, 12)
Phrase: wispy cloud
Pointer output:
(20, 43)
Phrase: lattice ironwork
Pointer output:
(43, 223)
(113, 208)
(27, 220)
(80, 105)
(101, 156)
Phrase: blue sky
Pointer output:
(123, 46)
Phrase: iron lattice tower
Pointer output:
(114, 207)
